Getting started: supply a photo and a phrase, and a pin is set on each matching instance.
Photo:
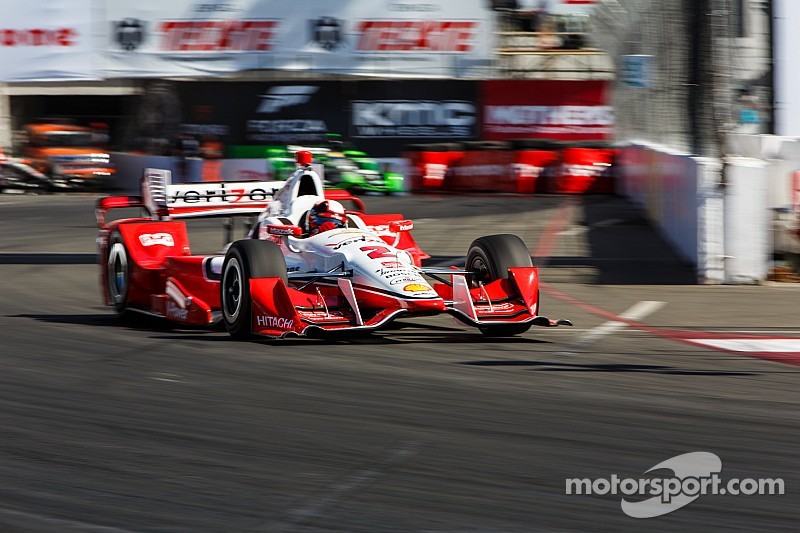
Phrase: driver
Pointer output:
(325, 216)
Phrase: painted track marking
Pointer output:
(637, 311)
(694, 338)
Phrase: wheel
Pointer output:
(245, 260)
(118, 273)
(489, 259)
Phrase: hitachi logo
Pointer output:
(274, 322)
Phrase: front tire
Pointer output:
(489, 259)
(245, 260)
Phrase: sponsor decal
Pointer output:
(403, 226)
(353, 240)
(481, 170)
(175, 311)
(407, 279)
(327, 33)
(416, 287)
(215, 7)
(276, 98)
(402, 270)
(416, 35)
(391, 264)
(413, 118)
(274, 322)
(218, 192)
(565, 115)
(414, 6)
(287, 131)
(321, 316)
(505, 307)
(277, 230)
(38, 37)
(153, 239)
(129, 33)
(217, 35)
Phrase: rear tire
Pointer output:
(245, 260)
(489, 259)
(118, 273)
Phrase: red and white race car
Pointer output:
(279, 282)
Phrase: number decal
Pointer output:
(376, 252)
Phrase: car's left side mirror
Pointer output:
(284, 229)
(396, 226)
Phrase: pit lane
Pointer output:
(107, 427)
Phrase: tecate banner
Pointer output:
(388, 37)
(546, 109)
(46, 40)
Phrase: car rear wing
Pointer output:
(164, 200)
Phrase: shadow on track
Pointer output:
(399, 333)
(45, 258)
(547, 366)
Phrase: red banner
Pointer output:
(546, 109)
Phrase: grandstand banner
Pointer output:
(263, 113)
(439, 38)
(380, 117)
(546, 109)
(46, 40)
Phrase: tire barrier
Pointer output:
(526, 167)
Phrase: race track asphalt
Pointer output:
(108, 427)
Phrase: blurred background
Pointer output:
(686, 108)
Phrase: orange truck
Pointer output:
(70, 155)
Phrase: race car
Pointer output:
(344, 166)
(280, 281)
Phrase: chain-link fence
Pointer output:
(689, 104)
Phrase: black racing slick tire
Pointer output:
(489, 259)
(245, 260)
(118, 273)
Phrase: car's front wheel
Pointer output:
(245, 260)
(488, 260)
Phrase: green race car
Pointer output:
(344, 167)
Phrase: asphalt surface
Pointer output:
(106, 426)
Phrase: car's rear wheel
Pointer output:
(118, 273)
(488, 260)
(245, 260)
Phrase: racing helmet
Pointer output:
(326, 215)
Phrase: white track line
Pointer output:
(637, 311)
(340, 490)
(752, 345)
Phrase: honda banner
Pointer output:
(435, 38)
(546, 109)
(46, 40)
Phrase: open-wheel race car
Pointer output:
(283, 280)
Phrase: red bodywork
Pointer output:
(166, 280)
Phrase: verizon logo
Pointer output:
(217, 35)
(276, 98)
(416, 35)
